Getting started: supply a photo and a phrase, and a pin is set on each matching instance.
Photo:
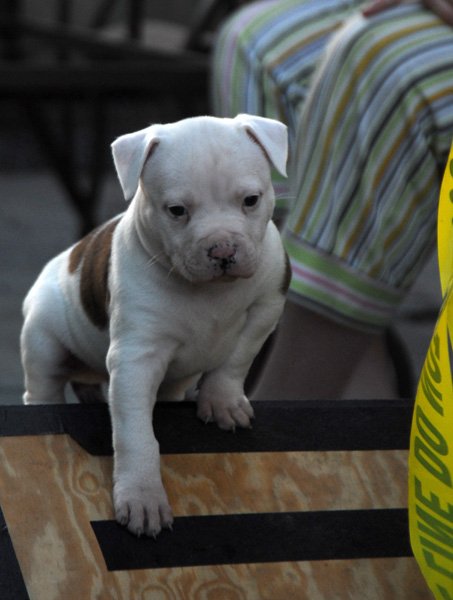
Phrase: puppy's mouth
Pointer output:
(224, 265)
(215, 274)
(218, 264)
(224, 278)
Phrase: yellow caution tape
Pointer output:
(431, 446)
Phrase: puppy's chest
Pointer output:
(207, 342)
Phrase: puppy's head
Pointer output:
(202, 191)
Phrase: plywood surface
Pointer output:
(51, 489)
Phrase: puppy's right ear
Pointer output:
(130, 152)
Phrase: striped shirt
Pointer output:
(369, 105)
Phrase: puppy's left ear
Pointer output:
(130, 152)
(271, 135)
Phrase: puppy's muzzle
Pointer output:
(224, 255)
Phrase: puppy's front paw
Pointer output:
(143, 509)
(228, 413)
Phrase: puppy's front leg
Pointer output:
(221, 397)
(139, 496)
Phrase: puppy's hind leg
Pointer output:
(43, 358)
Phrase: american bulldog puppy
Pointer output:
(176, 294)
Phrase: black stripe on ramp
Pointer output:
(259, 538)
(278, 427)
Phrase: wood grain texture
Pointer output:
(50, 490)
(288, 481)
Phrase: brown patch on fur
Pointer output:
(92, 255)
(287, 277)
(77, 253)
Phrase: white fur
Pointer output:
(190, 295)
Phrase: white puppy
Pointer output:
(182, 288)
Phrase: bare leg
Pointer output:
(312, 358)
(375, 376)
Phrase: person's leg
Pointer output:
(372, 141)
(310, 357)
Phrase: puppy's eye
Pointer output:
(251, 201)
(177, 210)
